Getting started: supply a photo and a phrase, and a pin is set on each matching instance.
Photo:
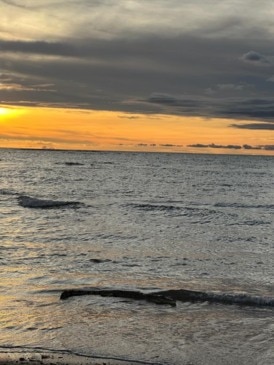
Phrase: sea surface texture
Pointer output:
(138, 221)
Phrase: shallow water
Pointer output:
(142, 221)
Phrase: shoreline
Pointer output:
(10, 357)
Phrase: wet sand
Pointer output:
(30, 358)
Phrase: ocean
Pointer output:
(144, 222)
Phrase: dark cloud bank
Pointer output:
(222, 69)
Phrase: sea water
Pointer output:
(138, 221)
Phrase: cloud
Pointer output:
(248, 147)
(130, 117)
(38, 47)
(255, 58)
(109, 19)
(221, 107)
(230, 87)
(161, 98)
(213, 145)
(233, 147)
(13, 3)
(255, 126)
(139, 57)
(170, 104)
(170, 145)
(253, 108)
(147, 145)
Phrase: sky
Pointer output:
(140, 75)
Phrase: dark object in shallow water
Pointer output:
(30, 202)
(99, 261)
(129, 294)
(171, 296)
(74, 164)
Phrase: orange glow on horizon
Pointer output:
(6, 112)
(56, 128)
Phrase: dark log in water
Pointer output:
(157, 297)
(171, 296)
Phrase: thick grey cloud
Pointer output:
(38, 47)
(221, 107)
(200, 58)
(252, 108)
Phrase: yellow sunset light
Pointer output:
(4, 111)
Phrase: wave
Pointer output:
(250, 223)
(8, 192)
(30, 202)
(204, 215)
(69, 163)
(245, 206)
(151, 207)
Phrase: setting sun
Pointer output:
(4, 111)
